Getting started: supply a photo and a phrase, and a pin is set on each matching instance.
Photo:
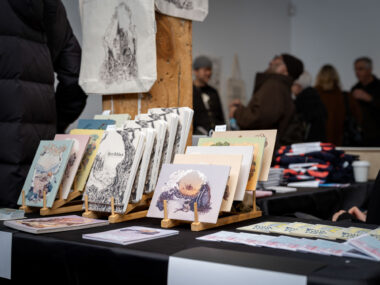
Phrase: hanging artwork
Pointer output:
(195, 10)
(119, 46)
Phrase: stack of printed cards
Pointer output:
(11, 214)
(130, 235)
(114, 169)
(120, 119)
(304, 245)
(94, 124)
(54, 224)
(306, 230)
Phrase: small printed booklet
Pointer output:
(54, 224)
(264, 227)
(11, 214)
(351, 232)
(367, 244)
(130, 235)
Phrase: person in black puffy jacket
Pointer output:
(36, 41)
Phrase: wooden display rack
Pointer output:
(60, 206)
(197, 226)
(133, 210)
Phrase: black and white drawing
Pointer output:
(114, 170)
(119, 46)
(195, 10)
(119, 43)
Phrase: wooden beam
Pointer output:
(173, 87)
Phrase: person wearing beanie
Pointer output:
(271, 105)
(309, 108)
(208, 110)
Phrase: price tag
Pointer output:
(220, 128)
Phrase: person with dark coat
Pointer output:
(36, 41)
(310, 108)
(367, 94)
(208, 111)
(271, 106)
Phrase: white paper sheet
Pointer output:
(5, 254)
(119, 46)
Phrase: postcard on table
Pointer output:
(89, 155)
(246, 151)
(46, 173)
(181, 185)
(233, 160)
(54, 224)
(77, 151)
(270, 136)
(257, 142)
(130, 235)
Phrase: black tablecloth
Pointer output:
(320, 202)
(66, 258)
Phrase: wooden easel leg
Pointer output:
(166, 222)
(88, 213)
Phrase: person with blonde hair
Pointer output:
(329, 88)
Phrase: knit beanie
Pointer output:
(293, 65)
(202, 62)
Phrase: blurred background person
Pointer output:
(367, 94)
(271, 105)
(208, 110)
(310, 108)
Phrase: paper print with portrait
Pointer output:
(181, 185)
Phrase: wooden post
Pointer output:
(173, 87)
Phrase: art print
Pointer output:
(183, 185)
(114, 169)
(119, 46)
(77, 151)
(46, 173)
(195, 10)
(88, 157)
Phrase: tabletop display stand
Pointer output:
(60, 205)
(224, 219)
(134, 211)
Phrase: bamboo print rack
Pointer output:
(197, 226)
(133, 210)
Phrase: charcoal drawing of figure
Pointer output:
(119, 43)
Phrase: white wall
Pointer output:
(320, 31)
(94, 102)
(256, 30)
(336, 32)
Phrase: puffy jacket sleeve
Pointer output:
(264, 109)
(66, 56)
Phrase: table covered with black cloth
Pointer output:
(66, 258)
(320, 202)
